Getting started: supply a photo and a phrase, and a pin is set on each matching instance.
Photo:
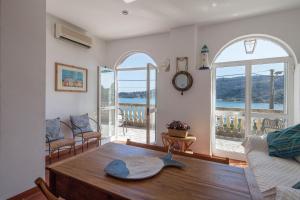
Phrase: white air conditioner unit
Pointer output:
(67, 33)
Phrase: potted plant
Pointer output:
(178, 129)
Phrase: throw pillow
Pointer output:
(297, 185)
(80, 124)
(285, 143)
(255, 142)
(53, 130)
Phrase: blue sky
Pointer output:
(129, 81)
(236, 52)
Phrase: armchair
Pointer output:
(55, 139)
(81, 127)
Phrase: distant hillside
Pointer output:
(141, 94)
(233, 89)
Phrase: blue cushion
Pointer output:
(53, 130)
(80, 124)
(285, 143)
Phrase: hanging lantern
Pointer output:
(204, 58)
(250, 45)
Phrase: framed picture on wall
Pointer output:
(69, 78)
(182, 64)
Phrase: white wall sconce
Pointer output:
(204, 58)
(250, 45)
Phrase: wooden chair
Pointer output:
(41, 184)
(192, 155)
(58, 142)
(85, 132)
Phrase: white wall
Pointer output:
(64, 104)
(22, 94)
(194, 106)
(171, 104)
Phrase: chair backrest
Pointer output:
(192, 155)
(270, 125)
(147, 146)
(80, 124)
(121, 117)
(45, 190)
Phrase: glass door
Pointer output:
(132, 104)
(230, 110)
(151, 104)
(250, 100)
(268, 98)
(106, 101)
(137, 104)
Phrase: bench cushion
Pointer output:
(62, 143)
(90, 135)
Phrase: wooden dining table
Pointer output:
(83, 177)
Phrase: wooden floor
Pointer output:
(39, 195)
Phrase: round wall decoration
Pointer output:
(182, 81)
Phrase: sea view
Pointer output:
(135, 100)
(228, 104)
(219, 103)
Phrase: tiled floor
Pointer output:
(229, 145)
(134, 134)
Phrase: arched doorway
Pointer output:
(136, 98)
(252, 92)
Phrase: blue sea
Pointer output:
(135, 100)
(226, 104)
(219, 103)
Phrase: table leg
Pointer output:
(52, 182)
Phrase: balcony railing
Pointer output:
(230, 122)
(133, 114)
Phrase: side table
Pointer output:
(180, 144)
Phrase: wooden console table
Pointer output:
(180, 144)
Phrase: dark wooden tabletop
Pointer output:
(199, 180)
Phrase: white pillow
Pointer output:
(287, 193)
(255, 142)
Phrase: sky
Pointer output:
(236, 52)
(130, 81)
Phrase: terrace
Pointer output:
(230, 125)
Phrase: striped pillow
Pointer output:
(285, 143)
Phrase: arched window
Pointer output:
(136, 60)
(136, 86)
(253, 84)
(262, 48)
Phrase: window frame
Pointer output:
(289, 96)
(149, 66)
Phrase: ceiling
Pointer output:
(103, 18)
